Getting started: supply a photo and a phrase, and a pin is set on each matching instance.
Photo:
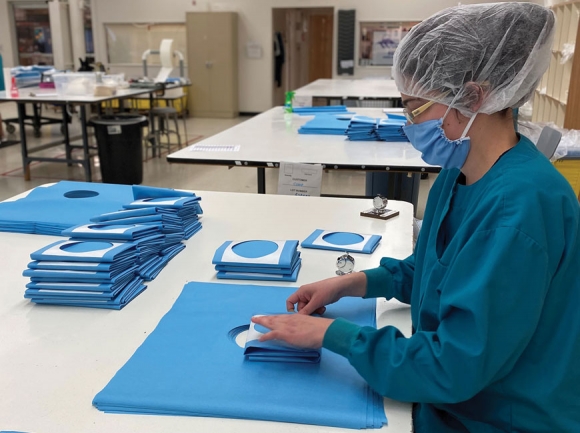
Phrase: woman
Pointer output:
(493, 283)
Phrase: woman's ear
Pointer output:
(473, 96)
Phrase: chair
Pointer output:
(548, 141)
(160, 136)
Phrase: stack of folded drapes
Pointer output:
(258, 260)
(84, 273)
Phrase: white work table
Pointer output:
(36, 96)
(350, 89)
(54, 360)
(272, 137)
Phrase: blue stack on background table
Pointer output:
(362, 128)
(326, 124)
(328, 109)
(391, 128)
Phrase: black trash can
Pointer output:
(119, 140)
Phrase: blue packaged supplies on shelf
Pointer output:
(275, 350)
(342, 241)
(246, 260)
(173, 372)
(325, 124)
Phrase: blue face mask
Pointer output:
(429, 138)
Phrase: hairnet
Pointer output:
(495, 53)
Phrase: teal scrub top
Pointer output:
(494, 289)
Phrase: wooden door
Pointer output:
(320, 46)
(197, 56)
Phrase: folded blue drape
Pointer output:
(50, 210)
(342, 241)
(191, 365)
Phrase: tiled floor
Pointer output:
(158, 172)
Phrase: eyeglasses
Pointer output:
(413, 114)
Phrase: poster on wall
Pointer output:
(379, 40)
(385, 42)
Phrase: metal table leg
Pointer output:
(152, 135)
(86, 154)
(67, 147)
(261, 180)
(25, 160)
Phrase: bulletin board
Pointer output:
(127, 42)
(379, 40)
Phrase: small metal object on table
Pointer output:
(379, 210)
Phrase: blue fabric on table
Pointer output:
(109, 287)
(308, 111)
(251, 252)
(275, 350)
(123, 232)
(362, 128)
(76, 286)
(264, 270)
(325, 124)
(155, 265)
(190, 365)
(77, 275)
(184, 209)
(129, 292)
(166, 202)
(46, 210)
(257, 274)
(391, 129)
(342, 241)
(245, 260)
(57, 293)
(114, 268)
(143, 191)
(85, 251)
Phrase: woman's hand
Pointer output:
(312, 298)
(296, 329)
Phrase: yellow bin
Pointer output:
(570, 169)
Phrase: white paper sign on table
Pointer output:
(300, 179)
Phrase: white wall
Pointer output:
(255, 24)
(5, 35)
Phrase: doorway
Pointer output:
(31, 33)
(302, 48)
